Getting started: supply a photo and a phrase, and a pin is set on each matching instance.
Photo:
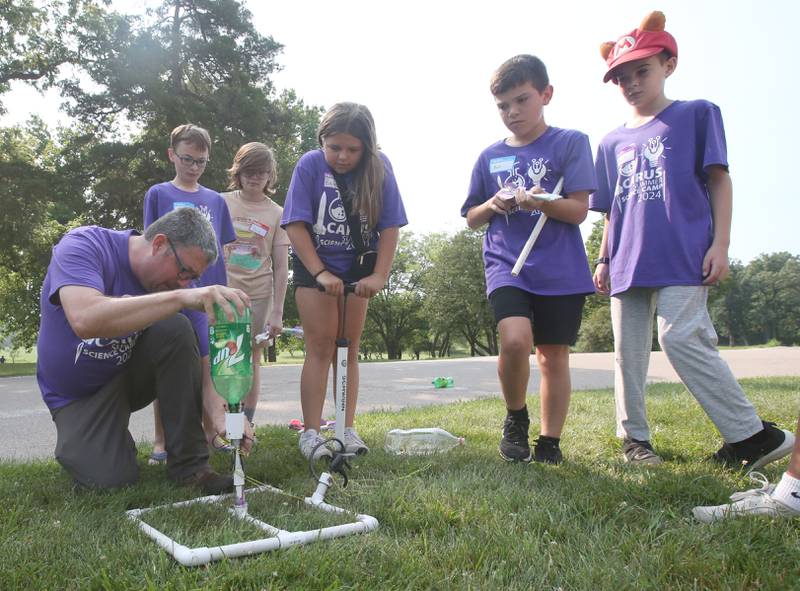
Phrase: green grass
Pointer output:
(17, 369)
(461, 520)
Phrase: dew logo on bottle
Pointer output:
(230, 353)
(229, 350)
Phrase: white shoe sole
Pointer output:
(784, 449)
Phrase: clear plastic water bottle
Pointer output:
(414, 442)
(230, 355)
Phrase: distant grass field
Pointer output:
(461, 520)
(25, 364)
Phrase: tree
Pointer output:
(395, 313)
(187, 60)
(34, 213)
(774, 282)
(595, 333)
(728, 304)
(37, 39)
(455, 290)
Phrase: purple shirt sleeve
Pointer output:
(600, 200)
(714, 147)
(297, 207)
(75, 261)
(151, 206)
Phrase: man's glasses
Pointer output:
(183, 272)
(189, 161)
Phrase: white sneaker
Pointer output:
(353, 443)
(757, 501)
(310, 439)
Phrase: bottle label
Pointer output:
(229, 349)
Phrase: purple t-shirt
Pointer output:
(161, 199)
(653, 188)
(557, 264)
(314, 198)
(67, 366)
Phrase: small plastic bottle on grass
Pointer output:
(415, 442)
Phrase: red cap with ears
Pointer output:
(649, 39)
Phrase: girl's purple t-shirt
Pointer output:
(557, 264)
(653, 188)
(314, 198)
(161, 199)
(68, 367)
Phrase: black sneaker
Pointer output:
(547, 451)
(639, 453)
(772, 444)
(514, 445)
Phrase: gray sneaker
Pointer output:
(310, 439)
(353, 443)
(639, 453)
(756, 501)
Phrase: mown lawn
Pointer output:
(461, 520)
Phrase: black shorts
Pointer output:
(556, 319)
(302, 278)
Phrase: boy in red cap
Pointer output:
(666, 194)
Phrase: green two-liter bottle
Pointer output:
(230, 357)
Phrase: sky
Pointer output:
(423, 69)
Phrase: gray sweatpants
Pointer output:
(93, 443)
(687, 337)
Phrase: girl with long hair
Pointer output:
(343, 212)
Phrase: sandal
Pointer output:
(157, 458)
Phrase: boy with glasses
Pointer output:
(188, 151)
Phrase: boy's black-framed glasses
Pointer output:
(183, 272)
(189, 161)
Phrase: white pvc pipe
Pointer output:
(280, 539)
(537, 229)
(340, 392)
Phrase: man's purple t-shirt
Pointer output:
(653, 188)
(160, 200)
(67, 366)
(314, 198)
(557, 264)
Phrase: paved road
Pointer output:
(26, 430)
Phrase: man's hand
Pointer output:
(204, 298)
(715, 265)
(219, 440)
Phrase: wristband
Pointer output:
(318, 273)
(601, 261)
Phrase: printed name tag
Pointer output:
(503, 164)
(259, 229)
